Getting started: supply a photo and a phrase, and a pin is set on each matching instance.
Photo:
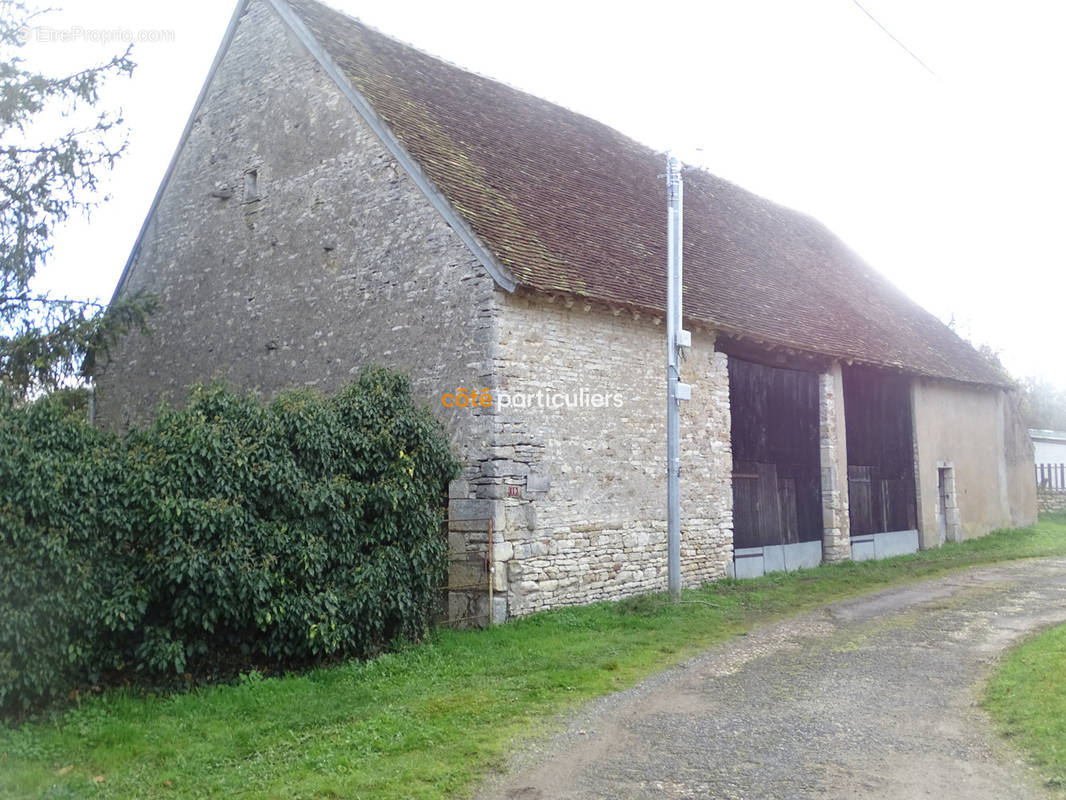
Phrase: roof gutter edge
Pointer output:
(1005, 384)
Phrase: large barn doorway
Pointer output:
(777, 507)
(880, 443)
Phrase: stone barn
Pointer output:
(339, 198)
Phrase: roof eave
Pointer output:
(768, 343)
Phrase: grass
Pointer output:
(1027, 698)
(429, 720)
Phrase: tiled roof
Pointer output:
(568, 204)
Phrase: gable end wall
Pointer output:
(341, 261)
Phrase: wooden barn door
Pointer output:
(776, 471)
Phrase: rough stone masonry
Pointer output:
(329, 258)
(290, 247)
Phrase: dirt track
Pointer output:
(875, 697)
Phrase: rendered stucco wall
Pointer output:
(1019, 457)
(979, 433)
(339, 262)
(589, 518)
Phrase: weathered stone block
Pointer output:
(499, 609)
(499, 577)
(493, 491)
(468, 572)
(504, 468)
(467, 509)
(522, 517)
(537, 483)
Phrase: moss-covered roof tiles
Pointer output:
(568, 204)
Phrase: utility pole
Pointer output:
(676, 338)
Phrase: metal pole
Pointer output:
(492, 575)
(673, 410)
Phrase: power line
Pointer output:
(906, 49)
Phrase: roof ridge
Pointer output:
(686, 167)
(471, 71)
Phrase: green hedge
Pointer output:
(228, 533)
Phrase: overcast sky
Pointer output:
(948, 178)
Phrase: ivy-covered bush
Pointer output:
(59, 480)
(227, 533)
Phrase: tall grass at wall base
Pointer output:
(429, 720)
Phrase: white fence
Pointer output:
(1051, 477)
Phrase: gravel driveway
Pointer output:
(875, 697)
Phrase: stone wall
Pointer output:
(833, 450)
(290, 249)
(1051, 502)
(337, 260)
(583, 485)
(332, 259)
